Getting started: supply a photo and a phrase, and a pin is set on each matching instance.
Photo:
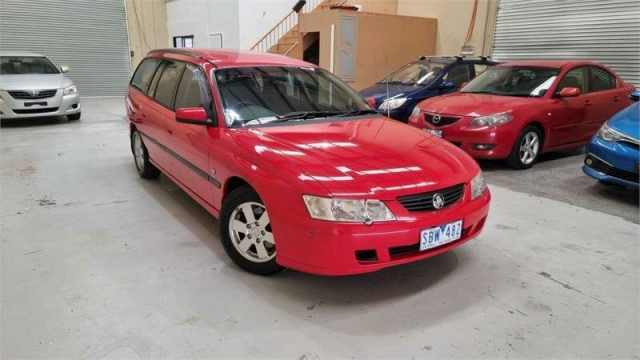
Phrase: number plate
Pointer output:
(440, 235)
(434, 132)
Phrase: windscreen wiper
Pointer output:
(302, 115)
(358, 112)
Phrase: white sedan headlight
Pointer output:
(492, 120)
(391, 104)
(478, 186)
(70, 90)
(608, 134)
(347, 210)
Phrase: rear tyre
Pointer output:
(526, 149)
(246, 232)
(74, 117)
(145, 168)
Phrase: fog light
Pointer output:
(588, 161)
(484, 146)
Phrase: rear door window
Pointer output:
(144, 74)
(168, 83)
(480, 68)
(600, 79)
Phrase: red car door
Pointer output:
(144, 112)
(605, 98)
(161, 116)
(191, 140)
(569, 113)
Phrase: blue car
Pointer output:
(399, 92)
(613, 155)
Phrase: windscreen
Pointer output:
(22, 65)
(260, 95)
(513, 81)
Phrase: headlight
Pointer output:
(391, 104)
(492, 120)
(70, 90)
(478, 186)
(347, 210)
(608, 134)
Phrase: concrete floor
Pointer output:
(97, 263)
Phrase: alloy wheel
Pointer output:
(138, 151)
(250, 232)
(529, 147)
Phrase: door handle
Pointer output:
(587, 103)
(616, 98)
(170, 131)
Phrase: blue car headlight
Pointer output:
(392, 104)
(608, 134)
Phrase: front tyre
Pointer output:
(526, 149)
(145, 168)
(246, 232)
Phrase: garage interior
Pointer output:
(97, 263)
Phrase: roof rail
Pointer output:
(191, 52)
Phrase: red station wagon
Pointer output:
(517, 110)
(300, 171)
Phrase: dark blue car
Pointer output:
(399, 92)
(613, 155)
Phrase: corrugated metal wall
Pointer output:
(88, 36)
(607, 31)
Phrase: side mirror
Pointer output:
(64, 68)
(569, 92)
(447, 85)
(193, 115)
(635, 95)
(463, 84)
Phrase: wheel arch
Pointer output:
(543, 131)
(233, 183)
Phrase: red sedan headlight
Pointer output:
(347, 210)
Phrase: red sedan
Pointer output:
(518, 110)
(300, 171)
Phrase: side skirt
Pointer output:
(212, 210)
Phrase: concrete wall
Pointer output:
(257, 17)
(202, 19)
(454, 17)
(241, 23)
(147, 27)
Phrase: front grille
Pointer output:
(440, 120)
(35, 111)
(32, 95)
(603, 167)
(424, 201)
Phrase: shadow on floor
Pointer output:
(32, 122)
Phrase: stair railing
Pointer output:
(271, 38)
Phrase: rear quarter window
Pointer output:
(600, 80)
(144, 74)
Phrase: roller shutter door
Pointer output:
(88, 36)
(607, 31)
